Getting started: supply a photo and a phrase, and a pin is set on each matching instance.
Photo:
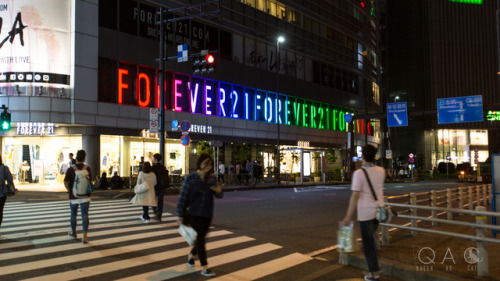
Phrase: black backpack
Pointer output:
(162, 179)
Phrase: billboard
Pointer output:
(35, 41)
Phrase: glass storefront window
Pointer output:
(110, 155)
(175, 161)
(50, 156)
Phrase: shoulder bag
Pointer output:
(382, 214)
(7, 189)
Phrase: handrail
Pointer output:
(484, 213)
(462, 223)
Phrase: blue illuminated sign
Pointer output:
(460, 109)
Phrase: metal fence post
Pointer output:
(478, 195)
(460, 199)
(481, 246)
(470, 198)
(385, 230)
(490, 192)
(485, 195)
(449, 214)
(433, 204)
(413, 201)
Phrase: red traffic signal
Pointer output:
(210, 58)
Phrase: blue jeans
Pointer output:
(158, 210)
(84, 209)
(368, 235)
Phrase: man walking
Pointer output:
(362, 198)
(162, 183)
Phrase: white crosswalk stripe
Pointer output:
(35, 246)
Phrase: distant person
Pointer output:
(222, 171)
(249, 169)
(198, 210)
(141, 163)
(230, 173)
(85, 174)
(116, 182)
(5, 175)
(238, 172)
(162, 183)
(363, 200)
(145, 191)
(257, 172)
(72, 160)
(102, 183)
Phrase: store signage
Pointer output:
(303, 144)
(202, 129)
(35, 129)
(493, 116)
(30, 28)
(205, 96)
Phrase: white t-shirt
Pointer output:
(366, 203)
(222, 169)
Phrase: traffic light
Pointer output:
(204, 64)
(5, 120)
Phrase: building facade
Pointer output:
(436, 50)
(84, 74)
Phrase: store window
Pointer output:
(39, 159)
(110, 155)
(175, 161)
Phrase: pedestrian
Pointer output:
(196, 207)
(162, 183)
(116, 182)
(248, 168)
(145, 191)
(230, 173)
(238, 172)
(72, 160)
(102, 183)
(257, 172)
(84, 175)
(222, 171)
(5, 175)
(141, 163)
(363, 200)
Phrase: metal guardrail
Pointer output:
(478, 196)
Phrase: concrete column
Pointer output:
(92, 146)
(125, 157)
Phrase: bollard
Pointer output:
(470, 198)
(413, 201)
(478, 195)
(460, 199)
(481, 246)
(434, 205)
(385, 230)
(485, 195)
(449, 214)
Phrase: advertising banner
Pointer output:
(35, 41)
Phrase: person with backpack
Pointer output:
(77, 182)
(162, 183)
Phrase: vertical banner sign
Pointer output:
(35, 42)
(153, 120)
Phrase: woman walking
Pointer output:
(145, 191)
(196, 207)
(5, 175)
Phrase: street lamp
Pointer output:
(281, 39)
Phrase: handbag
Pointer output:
(382, 213)
(7, 189)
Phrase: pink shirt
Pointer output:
(366, 203)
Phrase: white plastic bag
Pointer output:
(188, 233)
(345, 238)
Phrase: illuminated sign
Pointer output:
(35, 41)
(478, 2)
(34, 129)
(184, 93)
(493, 116)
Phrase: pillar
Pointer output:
(92, 146)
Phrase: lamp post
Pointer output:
(281, 39)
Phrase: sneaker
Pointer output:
(207, 273)
(190, 260)
(370, 277)
(72, 235)
(84, 239)
(144, 220)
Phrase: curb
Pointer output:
(398, 270)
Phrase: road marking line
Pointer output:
(96, 253)
(264, 269)
(180, 270)
(89, 271)
(317, 274)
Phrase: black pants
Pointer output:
(201, 225)
(368, 235)
(2, 204)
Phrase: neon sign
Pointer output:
(197, 95)
(493, 116)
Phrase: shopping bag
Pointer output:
(345, 238)
(188, 233)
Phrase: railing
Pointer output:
(478, 196)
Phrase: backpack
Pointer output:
(162, 179)
(82, 186)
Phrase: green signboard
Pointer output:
(477, 2)
(493, 116)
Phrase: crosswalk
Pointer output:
(35, 246)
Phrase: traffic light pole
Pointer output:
(161, 80)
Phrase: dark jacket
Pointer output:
(197, 197)
(161, 173)
(5, 175)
